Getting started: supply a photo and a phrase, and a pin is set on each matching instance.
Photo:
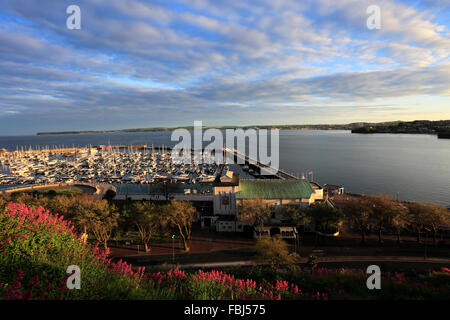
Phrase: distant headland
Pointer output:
(441, 128)
(283, 127)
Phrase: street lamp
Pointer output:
(173, 248)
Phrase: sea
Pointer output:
(411, 167)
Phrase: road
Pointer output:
(332, 260)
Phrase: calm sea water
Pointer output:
(414, 167)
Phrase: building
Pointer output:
(231, 192)
(333, 190)
(277, 192)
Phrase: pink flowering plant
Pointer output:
(36, 247)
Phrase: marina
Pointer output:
(111, 165)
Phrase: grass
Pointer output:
(67, 191)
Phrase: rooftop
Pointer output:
(274, 189)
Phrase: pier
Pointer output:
(240, 158)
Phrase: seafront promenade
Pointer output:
(98, 189)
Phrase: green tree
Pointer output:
(383, 210)
(97, 216)
(323, 216)
(275, 251)
(147, 219)
(63, 205)
(109, 195)
(256, 211)
(181, 215)
(400, 219)
(357, 212)
(295, 213)
(419, 219)
(436, 216)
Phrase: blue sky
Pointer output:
(167, 63)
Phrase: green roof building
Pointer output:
(274, 189)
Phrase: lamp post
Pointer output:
(173, 248)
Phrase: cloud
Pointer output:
(154, 62)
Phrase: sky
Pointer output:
(139, 64)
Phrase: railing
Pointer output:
(247, 160)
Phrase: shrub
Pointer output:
(275, 251)
(36, 248)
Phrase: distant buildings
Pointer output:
(441, 127)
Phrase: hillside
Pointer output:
(349, 126)
(37, 247)
(441, 128)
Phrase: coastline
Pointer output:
(441, 128)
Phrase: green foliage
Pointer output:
(109, 195)
(347, 284)
(296, 214)
(256, 211)
(427, 215)
(275, 251)
(42, 248)
(180, 215)
(324, 217)
(147, 218)
(357, 212)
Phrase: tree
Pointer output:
(256, 211)
(436, 216)
(63, 205)
(109, 195)
(418, 213)
(296, 214)
(81, 212)
(383, 209)
(181, 215)
(400, 219)
(324, 217)
(146, 218)
(33, 201)
(97, 216)
(104, 221)
(275, 251)
(358, 211)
